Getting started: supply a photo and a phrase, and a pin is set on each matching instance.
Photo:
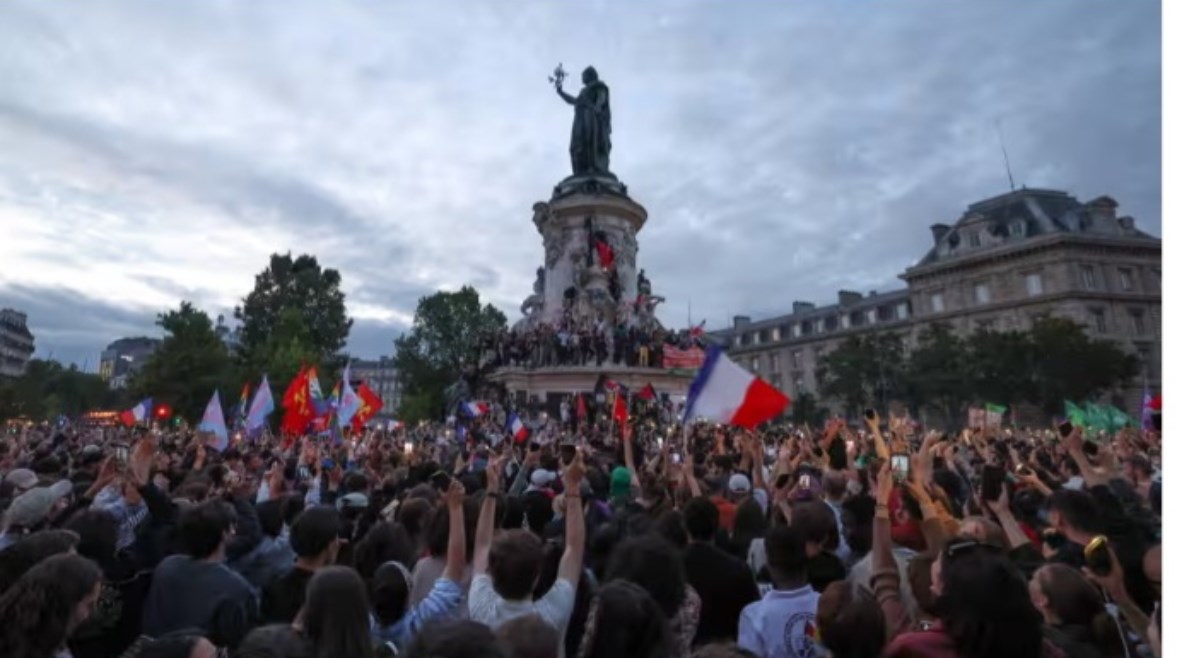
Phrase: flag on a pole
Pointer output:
(297, 405)
(140, 413)
(620, 410)
(1075, 414)
(475, 408)
(581, 407)
(242, 408)
(517, 429)
(319, 405)
(213, 422)
(647, 393)
(726, 393)
(370, 403)
(349, 402)
(262, 407)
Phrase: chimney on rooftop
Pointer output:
(802, 307)
(939, 231)
(848, 297)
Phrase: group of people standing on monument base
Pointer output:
(581, 344)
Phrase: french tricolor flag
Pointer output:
(475, 409)
(723, 392)
(517, 429)
(140, 413)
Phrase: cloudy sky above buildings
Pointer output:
(157, 151)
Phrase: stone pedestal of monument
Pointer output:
(573, 287)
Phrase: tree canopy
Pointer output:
(48, 389)
(1054, 361)
(445, 341)
(189, 364)
(296, 310)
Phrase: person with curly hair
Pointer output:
(46, 604)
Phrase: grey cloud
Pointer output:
(783, 150)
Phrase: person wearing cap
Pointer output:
(21, 479)
(33, 510)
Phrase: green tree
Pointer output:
(1001, 367)
(188, 366)
(864, 370)
(445, 342)
(1069, 365)
(288, 287)
(48, 389)
(805, 410)
(939, 372)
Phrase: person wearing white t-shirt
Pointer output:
(783, 623)
(507, 568)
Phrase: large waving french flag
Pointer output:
(724, 392)
(140, 413)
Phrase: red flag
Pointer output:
(620, 410)
(297, 405)
(697, 332)
(370, 403)
(647, 393)
(581, 409)
(605, 254)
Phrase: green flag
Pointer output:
(1075, 414)
(1097, 418)
(995, 408)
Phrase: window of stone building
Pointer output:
(1137, 322)
(845, 321)
(974, 239)
(1034, 284)
(1099, 320)
(1127, 279)
(774, 364)
(937, 302)
(1087, 276)
(901, 311)
(981, 293)
(796, 331)
(755, 364)
(776, 334)
(764, 335)
(872, 316)
(806, 328)
(1017, 229)
(831, 323)
(796, 359)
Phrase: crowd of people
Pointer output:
(575, 344)
(646, 542)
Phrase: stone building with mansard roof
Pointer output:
(1005, 262)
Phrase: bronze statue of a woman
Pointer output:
(592, 124)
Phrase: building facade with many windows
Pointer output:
(16, 343)
(1006, 262)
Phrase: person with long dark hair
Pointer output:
(653, 564)
(335, 617)
(625, 622)
(981, 599)
(46, 604)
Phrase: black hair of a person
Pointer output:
(31, 550)
(384, 542)
(39, 608)
(201, 529)
(454, 639)
(656, 566)
(335, 617)
(625, 622)
(985, 605)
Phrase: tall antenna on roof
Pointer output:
(1004, 154)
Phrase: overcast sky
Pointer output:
(157, 151)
